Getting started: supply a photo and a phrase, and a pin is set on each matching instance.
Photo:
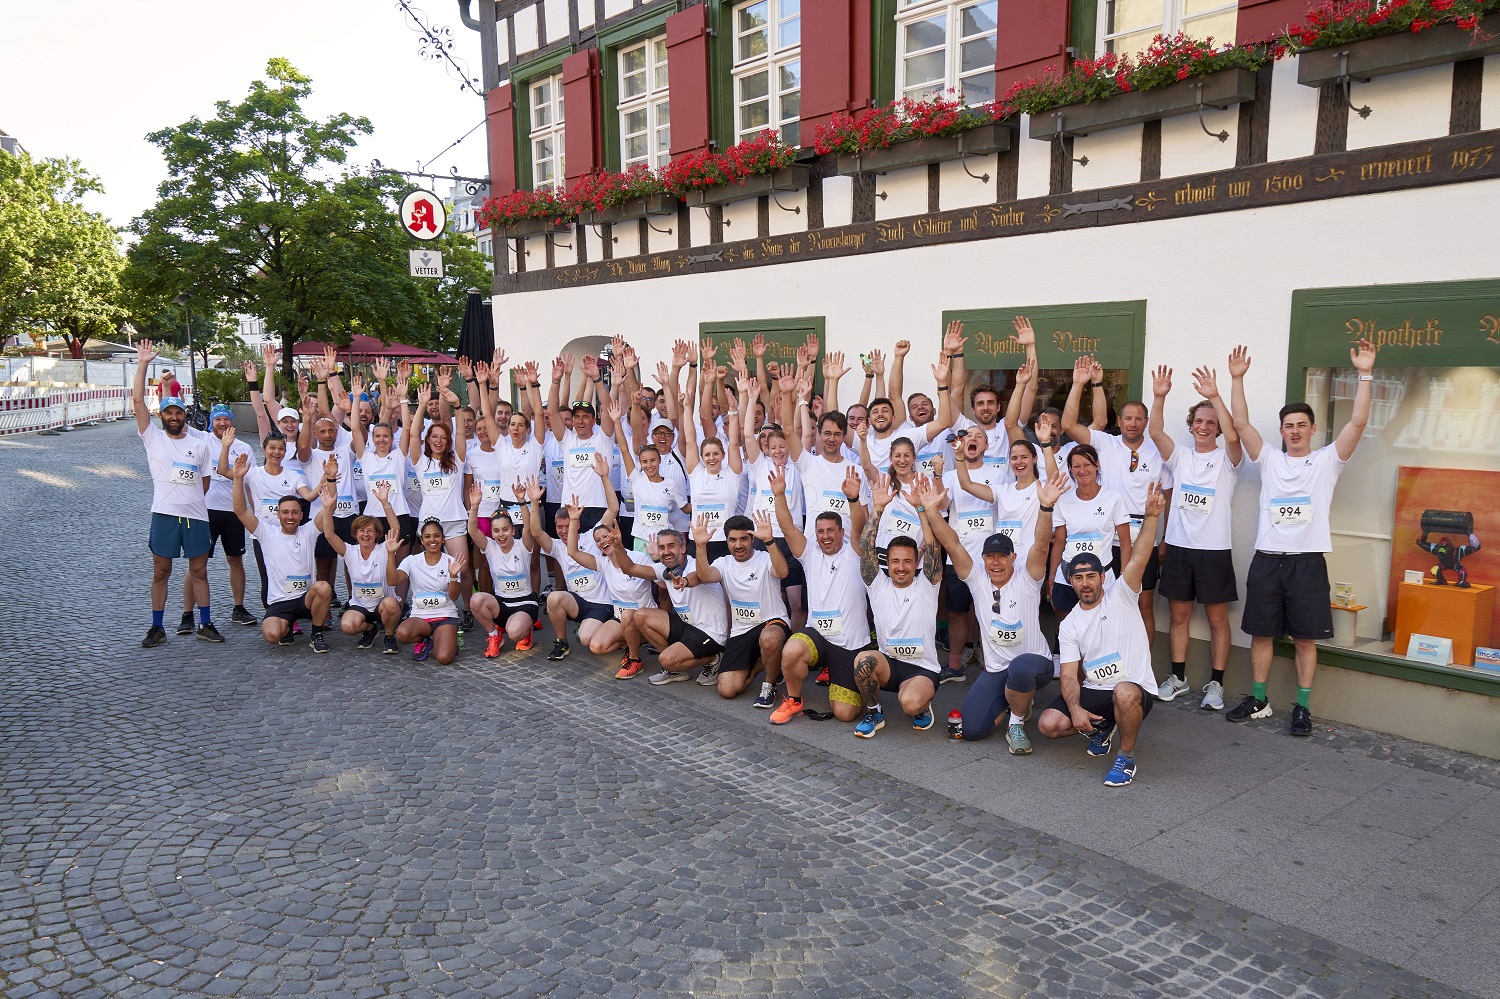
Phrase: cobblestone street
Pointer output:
(243, 820)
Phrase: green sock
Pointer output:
(1258, 691)
(1302, 694)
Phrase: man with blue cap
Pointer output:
(223, 525)
(180, 465)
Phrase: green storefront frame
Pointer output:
(521, 79)
(783, 337)
(1436, 324)
(610, 43)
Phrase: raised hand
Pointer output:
(445, 379)
(701, 532)
(834, 367)
(758, 345)
(937, 465)
(249, 370)
(330, 360)
(1083, 370)
(1239, 361)
(424, 396)
(710, 350)
(474, 495)
(466, 368)
(356, 386)
(877, 363)
(953, 338)
(381, 370)
(1024, 333)
(534, 489)
(929, 493)
(1362, 356)
(456, 567)
(590, 367)
(382, 491)
(240, 467)
(690, 351)
(1206, 382)
(146, 352)
(557, 369)
(679, 353)
(614, 412)
(881, 493)
(568, 360)
(903, 347)
(498, 360)
(776, 479)
(269, 355)
(392, 542)
(601, 466)
(762, 526)
(852, 483)
(1052, 490)
(1155, 501)
(1026, 373)
(941, 368)
(1161, 381)
(1096, 370)
(403, 375)
(737, 354)
(663, 376)
(331, 467)
(752, 388)
(482, 373)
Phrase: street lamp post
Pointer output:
(182, 300)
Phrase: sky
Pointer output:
(88, 79)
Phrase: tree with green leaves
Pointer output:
(59, 262)
(260, 214)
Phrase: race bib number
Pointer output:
(745, 611)
(624, 605)
(924, 465)
(834, 501)
(344, 506)
(1291, 511)
(389, 478)
(491, 489)
(513, 584)
(1005, 633)
(684, 612)
(428, 601)
(903, 526)
(268, 506)
(582, 581)
(580, 457)
(1084, 541)
(1194, 499)
(557, 468)
(1011, 529)
(830, 624)
(653, 518)
(909, 650)
(996, 461)
(184, 474)
(437, 484)
(1136, 523)
(712, 514)
(1106, 671)
(366, 595)
(975, 524)
(297, 584)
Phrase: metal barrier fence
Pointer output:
(27, 409)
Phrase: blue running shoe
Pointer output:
(1102, 739)
(923, 721)
(421, 648)
(872, 722)
(1122, 773)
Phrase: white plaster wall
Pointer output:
(565, 247)
(1294, 114)
(1186, 150)
(1034, 171)
(783, 222)
(838, 200)
(698, 229)
(585, 14)
(535, 248)
(1114, 158)
(660, 242)
(526, 31)
(627, 239)
(557, 19)
(594, 242)
(956, 189)
(906, 192)
(1189, 321)
(1489, 101)
(1403, 107)
(613, 7)
(739, 218)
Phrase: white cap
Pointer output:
(288, 411)
(659, 421)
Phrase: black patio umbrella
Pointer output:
(476, 338)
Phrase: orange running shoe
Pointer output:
(822, 679)
(536, 625)
(494, 645)
(629, 668)
(524, 643)
(789, 708)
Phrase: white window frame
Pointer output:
(554, 128)
(654, 100)
(921, 10)
(770, 62)
(1173, 20)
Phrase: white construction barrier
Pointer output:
(29, 409)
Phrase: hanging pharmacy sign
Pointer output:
(423, 215)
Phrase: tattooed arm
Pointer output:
(869, 560)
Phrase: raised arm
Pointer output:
(145, 353)
(1239, 363)
(471, 501)
(1161, 386)
(765, 536)
(1048, 493)
(869, 558)
(1099, 417)
(554, 400)
(1083, 368)
(1362, 356)
(325, 524)
(898, 382)
(412, 435)
(834, 369)
(794, 444)
(1135, 566)
(932, 552)
(796, 541)
(868, 369)
(966, 482)
(942, 374)
(237, 472)
(1206, 384)
(1018, 406)
(705, 572)
(221, 467)
(929, 497)
(954, 342)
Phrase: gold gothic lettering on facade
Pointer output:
(1070, 344)
(993, 345)
(1472, 158)
(1490, 327)
(1404, 166)
(1001, 218)
(1192, 194)
(836, 240)
(1238, 188)
(1406, 335)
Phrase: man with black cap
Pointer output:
(1017, 659)
(1107, 680)
(180, 464)
(580, 443)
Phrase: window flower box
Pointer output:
(660, 203)
(534, 227)
(1223, 89)
(978, 141)
(1372, 57)
(792, 178)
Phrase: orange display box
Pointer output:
(1463, 615)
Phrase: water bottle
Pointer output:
(955, 725)
(460, 639)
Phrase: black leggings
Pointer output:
(985, 699)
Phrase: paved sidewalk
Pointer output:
(244, 820)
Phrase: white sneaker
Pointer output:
(1213, 696)
(664, 677)
(971, 654)
(1171, 687)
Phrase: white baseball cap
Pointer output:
(288, 411)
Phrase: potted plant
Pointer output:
(911, 133)
(1354, 39)
(529, 213)
(619, 197)
(748, 169)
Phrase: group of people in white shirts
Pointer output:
(741, 526)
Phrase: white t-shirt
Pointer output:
(971, 518)
(1014, 629)
(178, 469)
(290, 559)
(762, 500)
(367, 576)
(1015, 516)
(701, 606)
(1295, 496)
(552, 463)
(1090, 526)
(220, 489)
(716, 497)
(836, 604)
(654, 504)
(510, 572)
(1109, 640)
(263, 491)
(906, 620)
(579, 477)
(626, 591)
(442, 492)
(1201, 505)
(428, 589)
(581, 581)
(348, 503)
(879, 449)
(753, 591)
(521, 463)
(1114, 468)
(823, 488)
(484, 466)
(898, 519)
(390, 469)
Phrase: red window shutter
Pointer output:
(1033, 36)
(835, 57)
(580, 93)
(687, 77)
(1263, 19)
(500, 125)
